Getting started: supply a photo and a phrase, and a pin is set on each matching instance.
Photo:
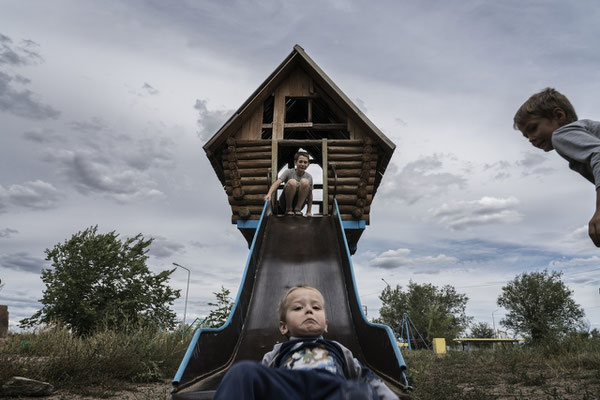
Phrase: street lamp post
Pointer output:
(494, 322)
(187, 289)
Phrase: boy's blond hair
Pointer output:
(543, 104)
(281, 310)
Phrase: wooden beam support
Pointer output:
(325, 182)
(274, 157)
(315, 127)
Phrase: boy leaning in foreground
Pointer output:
(306, 366)
(549, 121)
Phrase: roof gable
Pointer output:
(297, 57)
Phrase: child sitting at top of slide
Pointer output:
(298, 187)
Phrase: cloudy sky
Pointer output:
(105, 107)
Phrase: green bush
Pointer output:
(55, 355)
(569, 368)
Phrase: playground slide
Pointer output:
(288, 251)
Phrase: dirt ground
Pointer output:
(148, 391)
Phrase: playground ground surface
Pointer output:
(569, 370)
(478, 375)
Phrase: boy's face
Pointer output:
(301, 163)
(538, 130)
(304, 315)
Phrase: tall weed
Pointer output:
(135, 354)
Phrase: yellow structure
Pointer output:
(439, 345)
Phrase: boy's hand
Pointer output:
(594, 225)
(267, 196)
(594, 228)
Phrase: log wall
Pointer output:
(247, 159)
(247, 163)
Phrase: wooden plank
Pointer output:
(249, 164)
(292, 126)
(325, 167)
(347, 199)
(348, 189)
(342, 173)
(274, 160)
(253, 208)
(248, 200)
(253, 149)
(251, 128)
(235, 218)
(254, 155)
(299, 142)
(250, 180)
(351, 164)
(344, 142)
(255, 189)
(352, 181)
(255, 172)
(349, 149)
(349, 217)
(347, 209)
(299, 84)
(251, 143)
(278, 113)
(350, 157)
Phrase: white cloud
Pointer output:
(210, 121)
(36, 195)
(575, 262)
(485, 211)
(420, 179)
(391, 259)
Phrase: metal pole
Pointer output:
(494, 323)
(187, 289)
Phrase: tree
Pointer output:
(540, 306)
(435, 312)
(482, 330)
(218, 316)
(97, 280)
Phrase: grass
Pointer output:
(570, 370)
(106, 361)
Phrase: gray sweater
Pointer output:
(579, 143)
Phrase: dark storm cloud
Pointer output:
(210, 121)
(42, 135)
(532, 160)
(24, 54)
(7, 233)
(148, 89)
(23, 103)
(18, 101)
(163, 248)
(22, 262)
(97, 159)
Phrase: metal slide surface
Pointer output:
(289, 251)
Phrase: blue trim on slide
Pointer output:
(194, 341)
(387, 328)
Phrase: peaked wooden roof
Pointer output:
(297, 57)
